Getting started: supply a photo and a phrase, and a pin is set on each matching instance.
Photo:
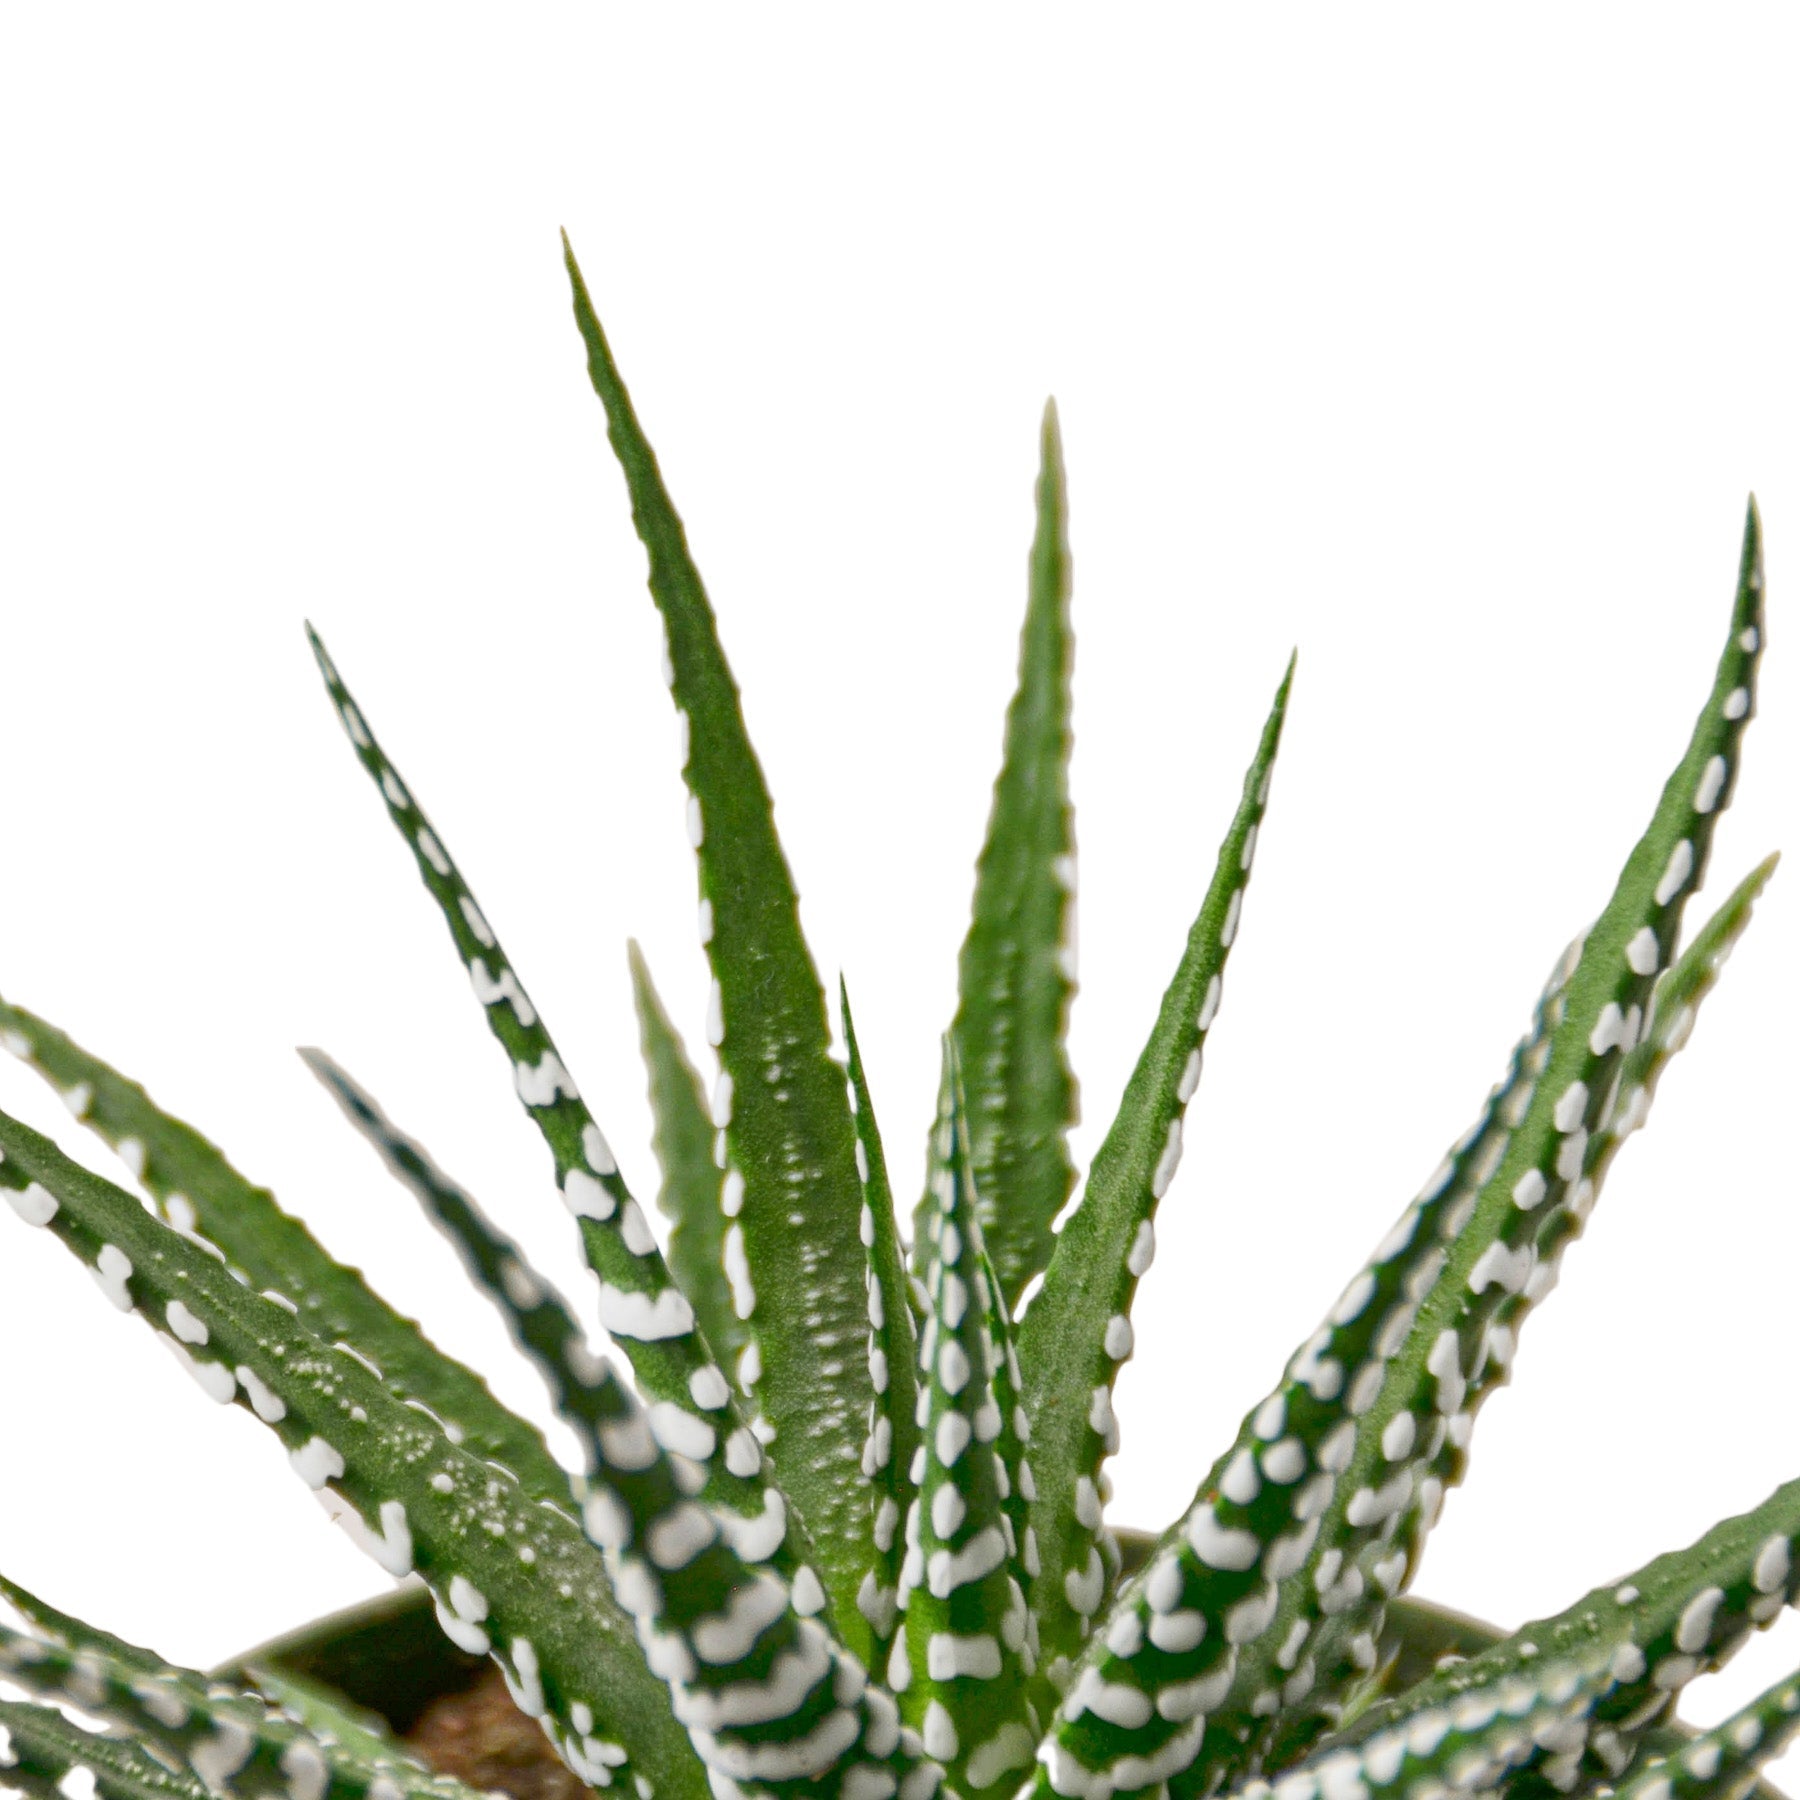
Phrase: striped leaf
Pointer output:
(1016, 975)
(1560, 1704)
(1543, 1185)
(233, 1742)
(1722, 1764)
(200, 1193)
(512, 1573)
(39, 1749)
(540, 1321)
(893, 1433)
(1282, 1567)
(1674, 1006)
(787, 1135)
(772, 1700)
(640, 1304)
(349, 1730)
(961, 1661)
(690, 1196)
(1077, 1330)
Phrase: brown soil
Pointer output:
(481, 1738)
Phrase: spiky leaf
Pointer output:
(690, 1194)
(771, 1698)
(512, 1573)
(234, 1742)
(1722, 1763)
(962, 1658)
(641, 1305)
(198, 1191)
(1016, 975)
(540, 1321)
(893, 1433)
(1270, 1593)
(1608, 1668)
(39, 1748)
(1077, 1330)
(780, 1103)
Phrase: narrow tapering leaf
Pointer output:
(692, 1189)
(1077, 1330)
(540, 1321)
(1634, 1644)
(1280, 1572)
(893, 1433)
(512, 1574)
(641, 1304)
(772, 1700)
(236, 1742)
(1673, 1009)
(198, 1191)
(349, 1729)
(39, 1749)
(1536, 1198)
(1017, 971)
(780, 1102)
(961, 1660)
(1722, 1763)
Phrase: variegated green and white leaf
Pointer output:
(1634, 1645)
(1674, 1006)
(1279, 1573)
(1077, 1330)
(540, 1320)
(200, 1193)
(772, 1700)
(691, 1191)
(236, 1743)
(348, 1729)
(641, 1305)
(1016, 975)
(788, 1140)
(511, 1572)
(1539, 1193)
(40, 1749)
(1722, 1763)
(893, 1348)
(963, 1657)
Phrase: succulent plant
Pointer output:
(841, 1529)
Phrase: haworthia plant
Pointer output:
(841, 1529)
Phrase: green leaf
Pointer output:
(199, 1192)
(641, 1306)
(1722, 1763)
(771, 1698)
(1674, 1006)
(1272, 1588)
(511, 1573)
(691, 1181)
(780, 1101)
(348, 1729)
(893, 1433)
(1632, 1645)
(1076, 1331)
(234, 1742)
(39, 1747)
(1017, 971)
(962, 1658)
(541, 1322)
(1539, 1192)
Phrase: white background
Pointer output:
(1445, 348)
